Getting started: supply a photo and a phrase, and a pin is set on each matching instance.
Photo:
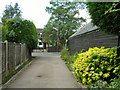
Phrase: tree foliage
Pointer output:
(11, 12)
(109, 22)
(64, 19)
(21, 31)
(50, 34)
(113, 8)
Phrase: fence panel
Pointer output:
(23, 51)
(11, 55)
(3, 45)
(0, 65)
(18, 54)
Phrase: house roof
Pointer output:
(39, 30)
(87, 28)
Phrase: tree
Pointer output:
(105, 22)
(21, 31)
(110, 22)
(112, 8)
(11, 12)
(64, 20)
(50, 34)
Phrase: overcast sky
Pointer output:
(33, 10)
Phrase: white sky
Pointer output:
(33, 10)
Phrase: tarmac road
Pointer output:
(46, 71)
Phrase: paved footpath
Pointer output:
(46, 71)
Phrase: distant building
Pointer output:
(41, 43)
(39, 30)
(90, 36)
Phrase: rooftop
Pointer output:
(87, 28)
(39, 30)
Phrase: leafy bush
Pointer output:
(97, 64)
(65, 54)
(3, 33)
(69, 59)
(21, 31)
(102, 84)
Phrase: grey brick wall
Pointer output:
(94, 38)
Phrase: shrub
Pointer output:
(69, 59)
(65, 54)
(97, 64)
(21, 31)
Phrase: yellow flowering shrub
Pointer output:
(97, 64)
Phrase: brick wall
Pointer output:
(94, 38)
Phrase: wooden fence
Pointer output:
(0, 66)
(13, 56)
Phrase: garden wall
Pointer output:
(94, 38)
(53, 49)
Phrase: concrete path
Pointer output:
(46, 71)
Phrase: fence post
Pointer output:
(6, 58)
(20, 53)
(15, 54)
(0, 66)
(24, 52)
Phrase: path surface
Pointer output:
(46, 71)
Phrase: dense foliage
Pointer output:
(113, 8)
(21, 31)
(97, 66)
(107, 22)
(11, 12)
(64, 21)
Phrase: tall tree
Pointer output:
(11, 12)
(107, 22)
(65, 19)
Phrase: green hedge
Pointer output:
(21, 31)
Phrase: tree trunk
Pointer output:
(118, 47)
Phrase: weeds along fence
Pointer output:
(13, 56)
